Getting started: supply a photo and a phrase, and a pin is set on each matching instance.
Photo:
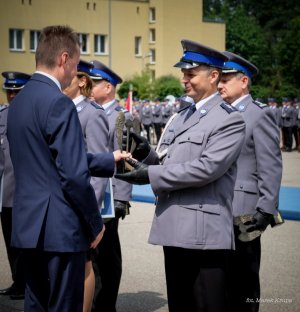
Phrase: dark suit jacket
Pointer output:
(55, 208)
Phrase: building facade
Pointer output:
(127, 35)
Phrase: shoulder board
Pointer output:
(182, 109)
(229, 108)
(121, 109)
(3, 107)
(259, 104)
(97, 106)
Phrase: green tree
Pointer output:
(145, 88)
(166, 85)
(267, 34)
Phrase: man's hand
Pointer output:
(118, 155)
(260, 221)
(142, 148)
(97, 240)
(139, 175)
(121, 208)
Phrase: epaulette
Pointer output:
(259, 104)
(229, 108)
(3, 107)
(182, 109)
(97, 106)
(121, 109)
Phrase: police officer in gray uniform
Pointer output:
(194, 187)
(95, 130)
(108, 260)
(167, 112)
(256, 191)
(276, 110)
(94, 123)
(157, 118)
(287, 116)
(146, 118)
(14, 82)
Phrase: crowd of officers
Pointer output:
(154, 115)
(288, 119)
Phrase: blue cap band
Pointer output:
(104, 75)
(18, 81)
(201, 58)
(84, 69)
(233, 65)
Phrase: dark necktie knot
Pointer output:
(190, 112)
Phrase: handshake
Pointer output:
(139, 173)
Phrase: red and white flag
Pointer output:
(128, 103)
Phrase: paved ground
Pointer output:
(143, 285)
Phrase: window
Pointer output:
(152, 56)
(16, 39)
(100, 44)
(138, 46)
(152, 35)
(152, 15)
(83, 38)
(34, 37)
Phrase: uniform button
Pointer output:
(241, 187)
(168, 156)
(200, 206)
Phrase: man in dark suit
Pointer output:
(14, 82)
(256, 191)
(55, 216)
(194, 187)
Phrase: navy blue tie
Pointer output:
(190, 112)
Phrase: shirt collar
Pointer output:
(203, 101)
(237, 101)
(79, 99)
(107, 105)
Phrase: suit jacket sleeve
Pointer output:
(269, 162)
(221, 151)
(66, 144)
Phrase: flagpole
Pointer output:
(130, 97)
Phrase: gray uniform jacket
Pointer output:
(295, 116)
(121, 189)
(287, 116)
(260, 164)
(277, 113)
(167, 112)
(95, 130)
(194, 186)
(9, 180)
(156, 113)
(146, 115)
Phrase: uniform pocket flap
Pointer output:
(193, 138)
(214, 209)
(250, 187)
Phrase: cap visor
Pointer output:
(228, 71)
(12, 87)
(186, 65)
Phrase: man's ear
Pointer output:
(63, 58)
